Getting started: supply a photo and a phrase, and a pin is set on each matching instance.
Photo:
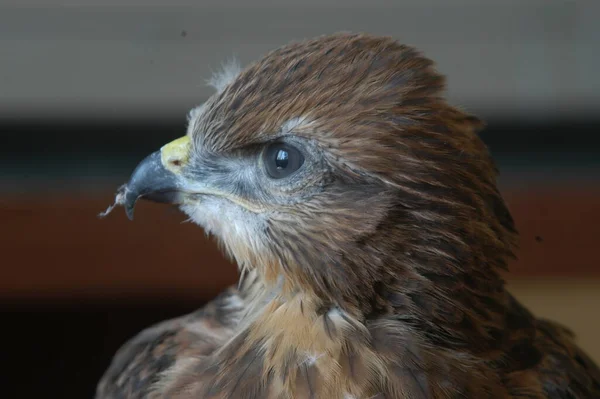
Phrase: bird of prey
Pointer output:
(363, 212)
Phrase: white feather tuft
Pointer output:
(227, 74)
(310, 359)
(295, 123)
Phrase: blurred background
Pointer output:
(89, 88)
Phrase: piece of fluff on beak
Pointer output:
(119, 200)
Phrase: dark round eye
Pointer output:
(281, 160)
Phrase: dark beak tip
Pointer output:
(149, 181)
(129, 204)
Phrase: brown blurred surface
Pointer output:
(571, 302)
(57, 247)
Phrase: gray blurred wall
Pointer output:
(146, 59)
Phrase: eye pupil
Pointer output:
(282, 159)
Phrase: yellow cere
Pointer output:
(175, 154)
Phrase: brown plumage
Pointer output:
(371, 269)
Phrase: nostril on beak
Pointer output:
(173, 162)
(175, 154)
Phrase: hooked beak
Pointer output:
(157, 178)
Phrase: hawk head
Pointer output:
(334, 167)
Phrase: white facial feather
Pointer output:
(192, 118)
(229, 221)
